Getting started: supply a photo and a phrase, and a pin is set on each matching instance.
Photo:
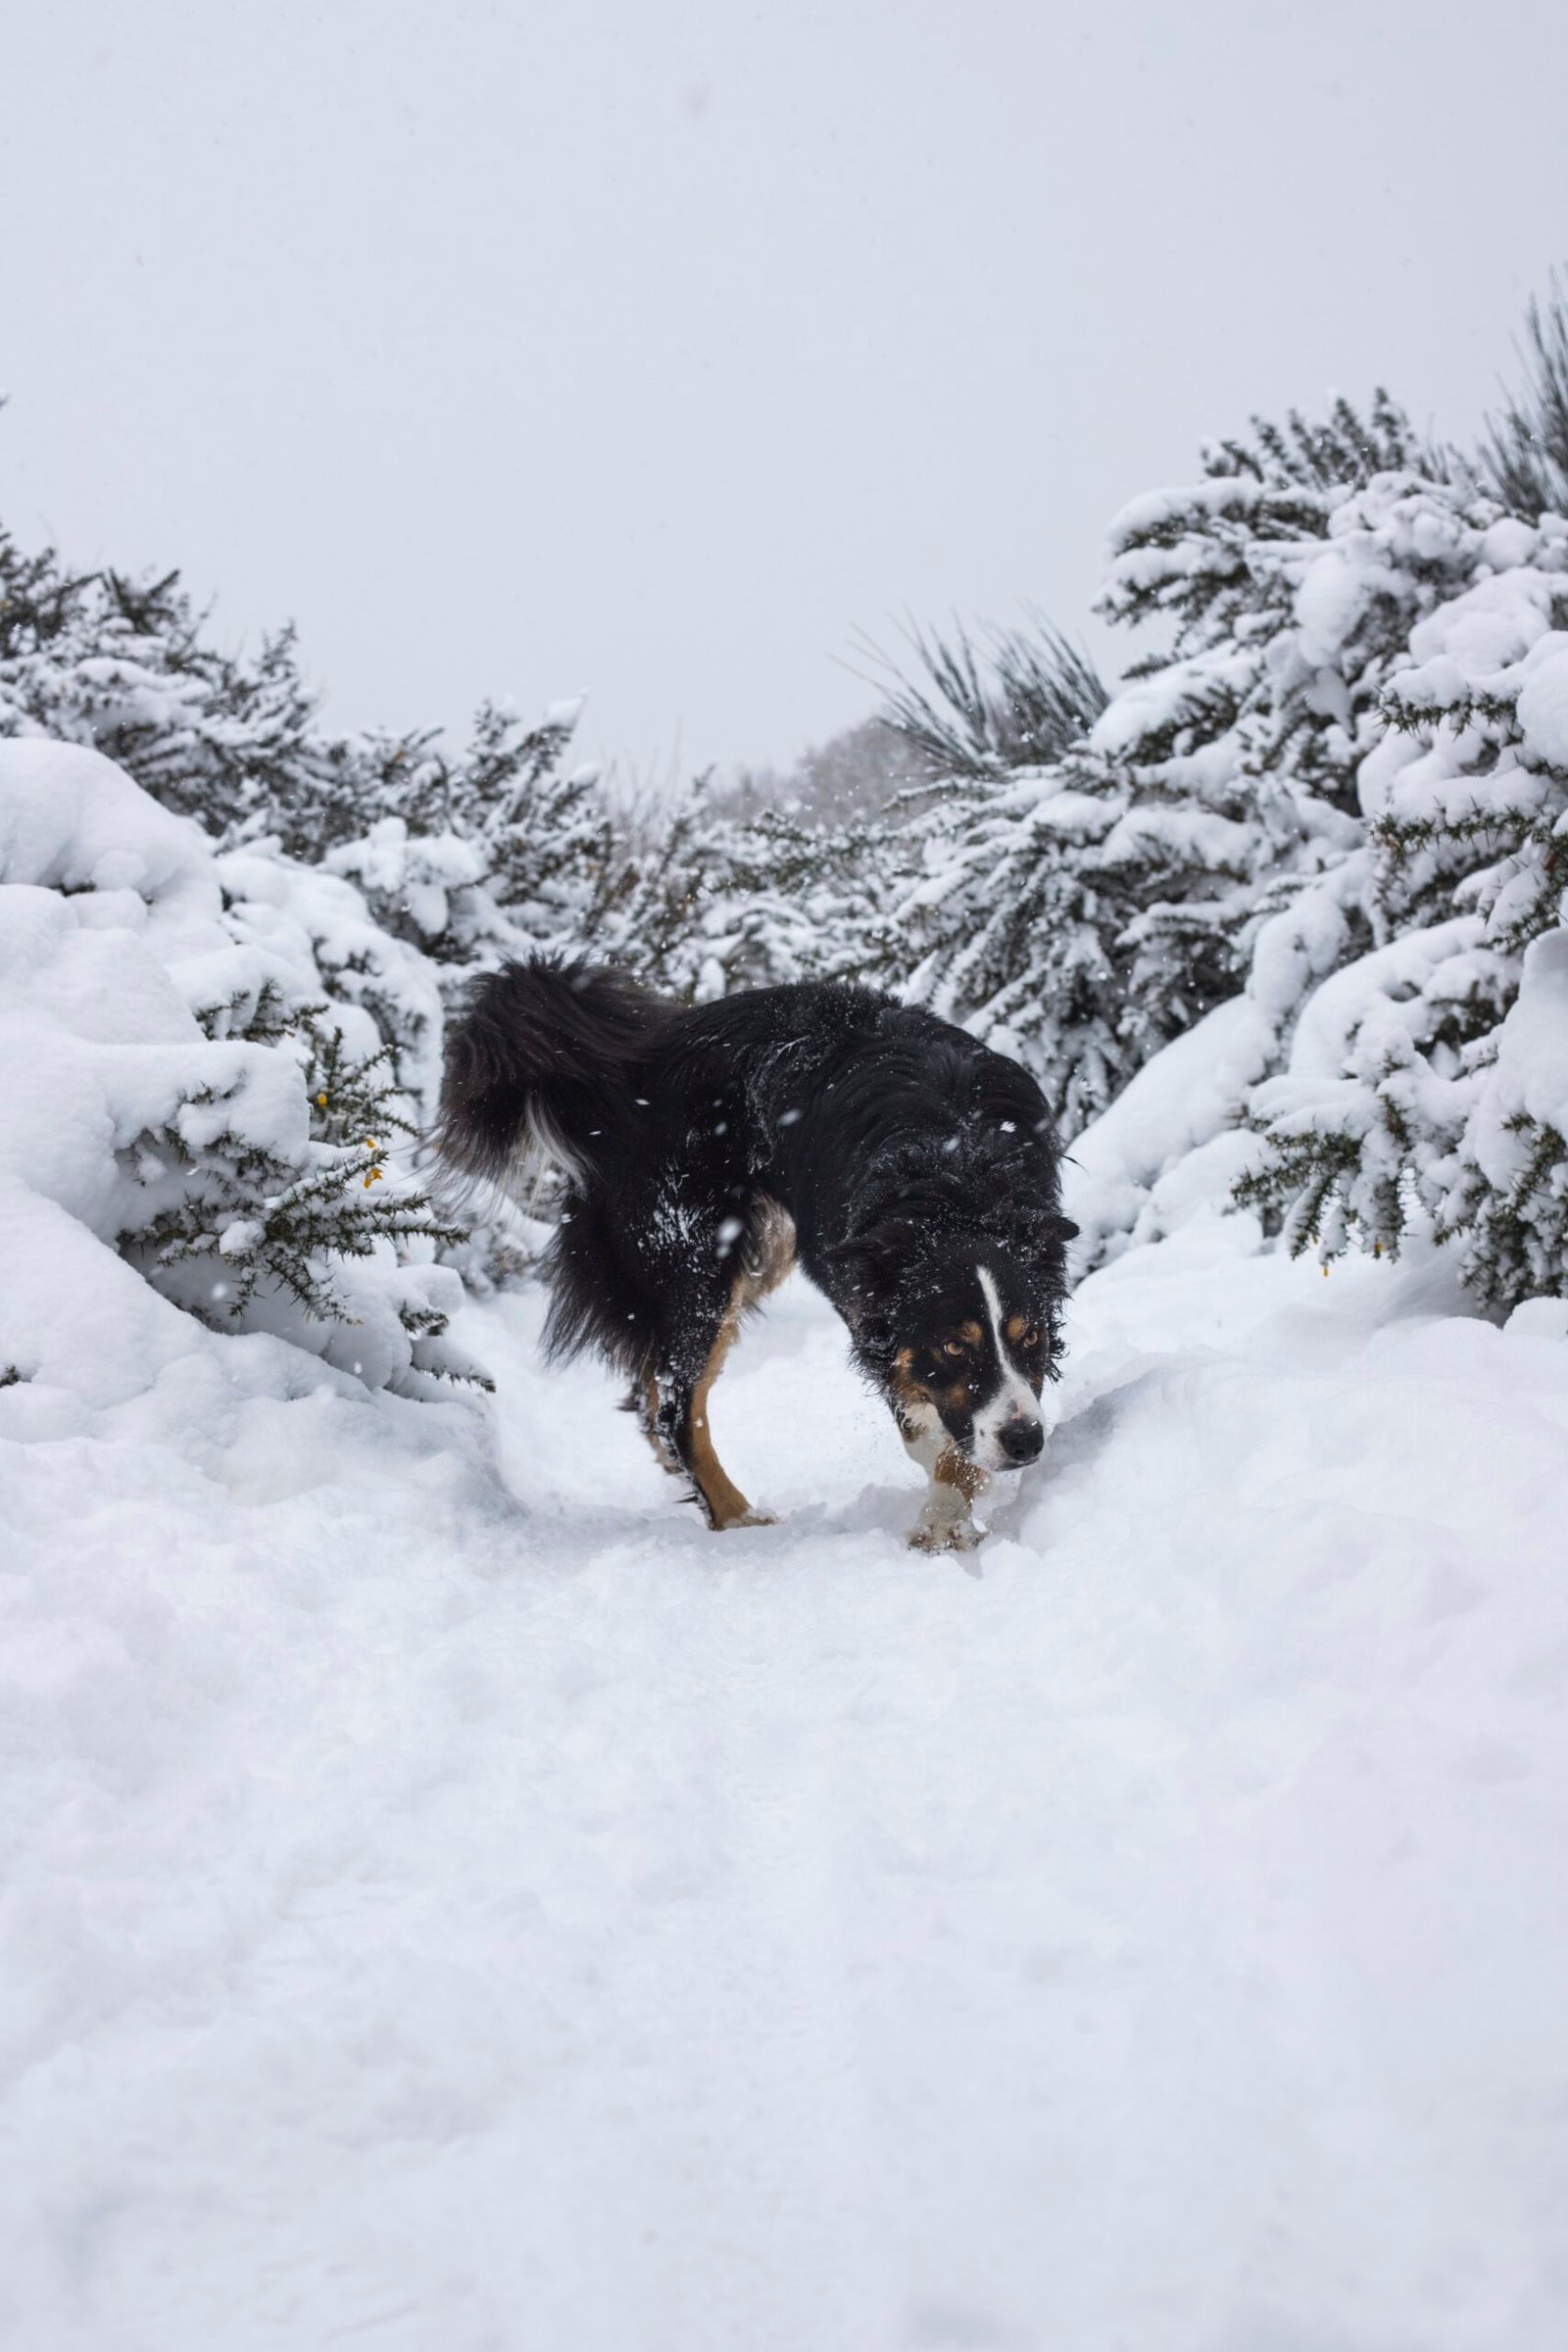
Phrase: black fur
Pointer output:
(905, 1152)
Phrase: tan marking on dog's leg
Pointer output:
(954, 1470)
(727, 1506)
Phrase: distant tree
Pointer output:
(468, 854)
(854, 774)
(124, 665)
(1019, 699)
(1000, 921)
(1525, 455)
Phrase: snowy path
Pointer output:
(452, 1904)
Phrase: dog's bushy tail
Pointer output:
(539, 1061)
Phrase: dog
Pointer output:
(910, 1171)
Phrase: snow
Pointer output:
(450, 1899)
(1542, 706)
(1471, 642)
(419, 874)
(1178, 1105)
(1528, 1080)
(1372, 989)
(70, 820)
(1180, 694)
(1296, 947)
(1228, 494)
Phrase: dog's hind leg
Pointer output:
(683, 1385)
(642, 1401)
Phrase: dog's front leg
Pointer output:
(946, 1522)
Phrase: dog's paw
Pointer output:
(959, 1535)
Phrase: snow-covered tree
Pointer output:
(466, 853)
(1429, 1079)
(1087, 908)
(496, 850)
(1524, 458)
(126, 666)
(761, 904)
(1289, 578)
(1000, 920)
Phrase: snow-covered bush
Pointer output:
(466, 855)
(1417, 1085)
(126, 666)
(1278, 925)
(493, 852)
(998, 916)
(1089, 908)
(1290, 577)
(238, 1212)
(1397, 758)
(182, 1095)
(758, 903)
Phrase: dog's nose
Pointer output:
(1021, 1441)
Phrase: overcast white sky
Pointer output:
(654, 350)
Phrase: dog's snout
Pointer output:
(1021, 1441)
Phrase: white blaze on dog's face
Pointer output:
(974, 1367)
(1007, 1428)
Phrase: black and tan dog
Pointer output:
(911, 1172)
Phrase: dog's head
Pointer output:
(965, 1343)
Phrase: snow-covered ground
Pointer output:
(452, 1904)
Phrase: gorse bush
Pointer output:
(234, 1207)
(195, 1091)
(1427, 1084)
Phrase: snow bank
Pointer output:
(1529, 1079)
(447, 1910)
(1169, 1147)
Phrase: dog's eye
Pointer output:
(954, 1348)
(1031, 1338)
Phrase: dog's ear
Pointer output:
(1044, 1229)
(862, 1268)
